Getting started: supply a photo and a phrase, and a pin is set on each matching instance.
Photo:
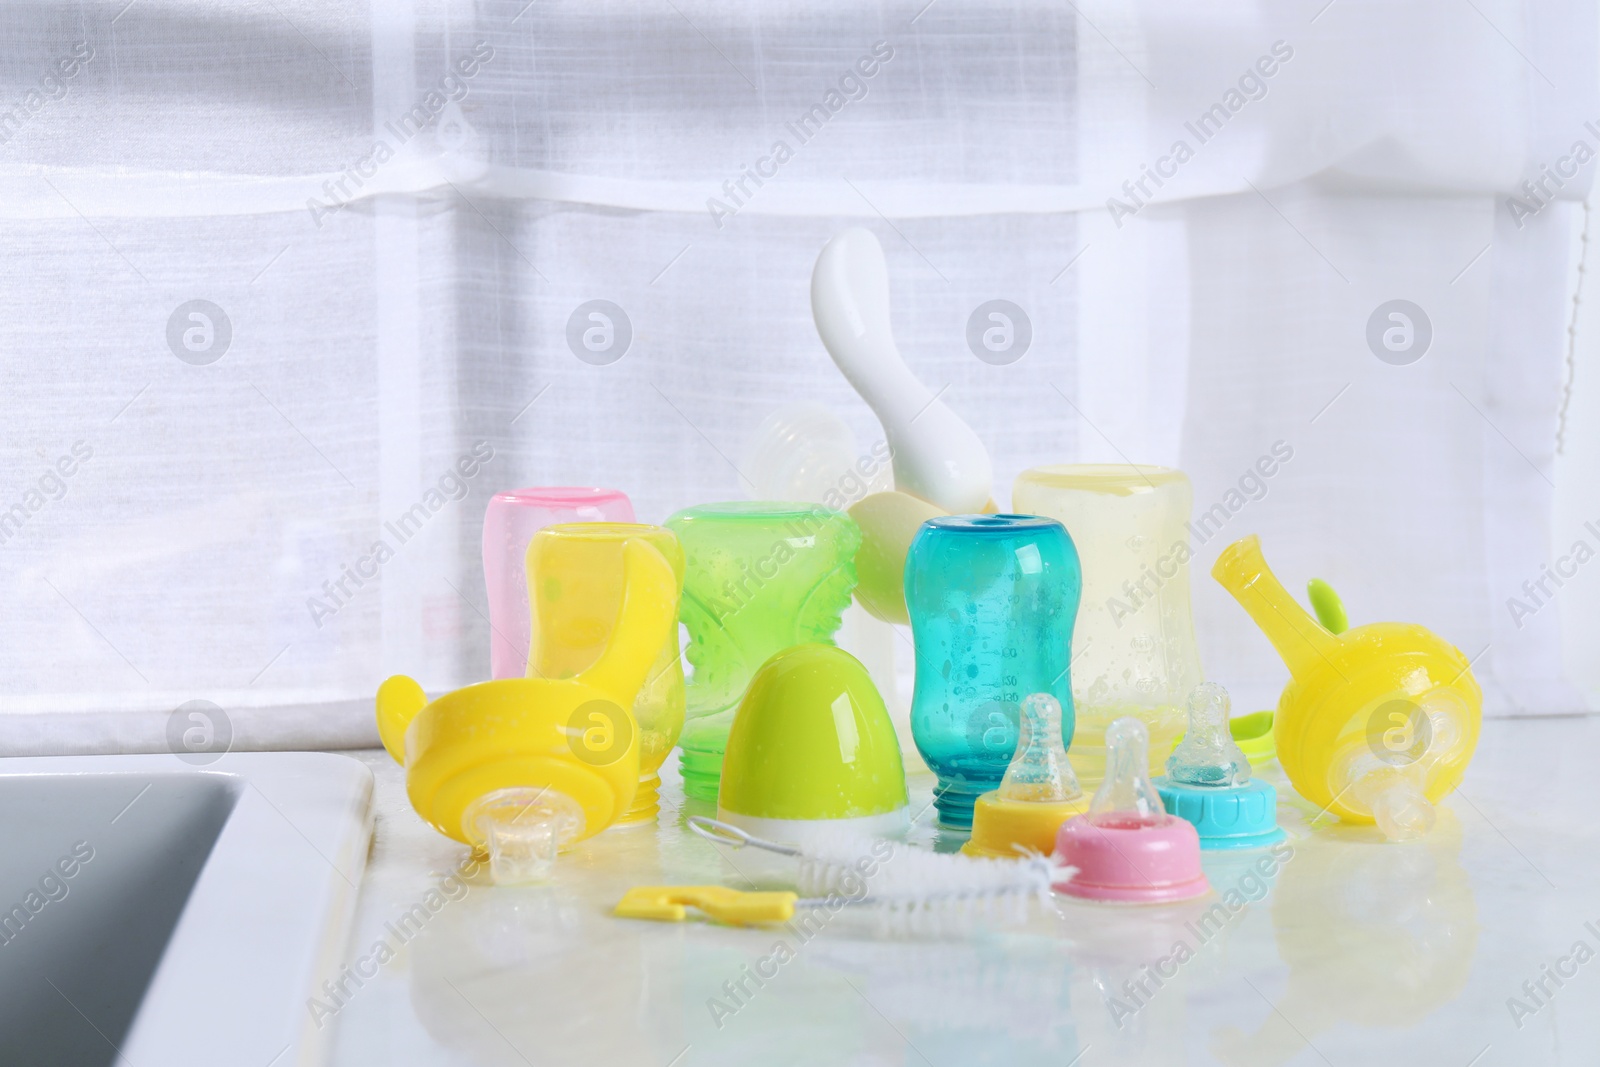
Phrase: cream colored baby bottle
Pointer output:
(1133, 650)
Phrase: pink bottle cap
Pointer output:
(1143, 864)
(1128, 848)
(509, 524)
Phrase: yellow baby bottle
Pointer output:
(575, 585)
(524, 767)
(1377, 723)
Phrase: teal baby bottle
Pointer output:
(992, 600)
(760, 577)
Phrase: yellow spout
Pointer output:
(1301, 641)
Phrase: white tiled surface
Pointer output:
(1358, 952)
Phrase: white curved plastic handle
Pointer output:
(936, 456)
(721, 833)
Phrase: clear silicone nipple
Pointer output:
(1127, 799)
(1395, 791)
(522, 829)
(1396, 799)
(1039, 771)
(1208, 754)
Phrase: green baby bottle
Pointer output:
(759, 577)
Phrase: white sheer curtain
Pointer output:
(392, 211)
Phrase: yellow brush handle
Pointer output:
(671, 903)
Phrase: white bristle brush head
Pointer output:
(898, 888)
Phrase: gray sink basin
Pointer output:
(153, 912)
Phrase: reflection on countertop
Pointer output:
(1331, 949)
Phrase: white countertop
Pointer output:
(1355, 948)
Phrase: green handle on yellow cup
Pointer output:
(1329, 608)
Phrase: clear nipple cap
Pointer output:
(1038, 793)
(1208, 781)
(1128, 848)
(1127, 799)
(1394, 789)
(522, 829)
(1208, 754)
(1040, 771)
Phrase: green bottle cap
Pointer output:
(812, 742)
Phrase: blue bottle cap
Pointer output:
(1244, 816)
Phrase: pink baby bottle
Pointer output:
(508, 526)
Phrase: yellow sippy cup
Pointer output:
(575, 584)
(524, 767)
(1378, 723)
